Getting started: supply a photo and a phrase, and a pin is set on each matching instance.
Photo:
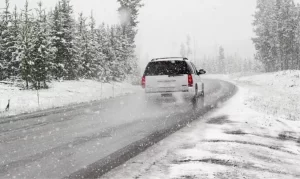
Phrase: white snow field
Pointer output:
(256, 134)
(59, 94)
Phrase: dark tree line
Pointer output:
(277, 29)
(37, 46)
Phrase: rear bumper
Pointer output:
(186, 94)
(183, 90)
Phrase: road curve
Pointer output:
(90, 140)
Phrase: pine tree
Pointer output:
(82, 43)
(63, 27)
(284, 33)
(264, 41)
(69, 55)
(124, 55)
(37, 47)
(25, 45)
(289, 24)
(42, 53)
(5, 43)
(129, 11)
(57, 41)
(14, 65)
(221, 60)
(276, 23)
(90, 55)
(112, 56)
(97, 56)
(102, 39)
(297, 39)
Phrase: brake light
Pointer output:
(190, 81)
(143, 82)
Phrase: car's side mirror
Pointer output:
(201, 72)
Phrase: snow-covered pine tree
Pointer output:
(14, 65)
(2, 73)
(288, 14)
(25, 45)
(106, 39)
(265, 26)
(221, 60)
(43, 51)
(97, 56)
(5, 54)
(297, 39)
(276, 30)
(287, 30)
(90, 54)
(82, 44)
(57, 70)
(66, 63)
(103, 41)
(230, 64)
(125, 54)
(70, 50)
(112, 56)
(129, 10)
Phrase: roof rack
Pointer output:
(183, 58)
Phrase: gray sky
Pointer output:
(164, 24)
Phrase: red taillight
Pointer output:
(190, 80)
(143, 82)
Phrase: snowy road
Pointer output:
(72, 143)
(254, 135)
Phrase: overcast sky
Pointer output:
(164, 24)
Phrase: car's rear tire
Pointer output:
(195, 98)
(196, 91)
(202, 92)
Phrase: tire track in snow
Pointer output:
(231, 163)
(251, 143)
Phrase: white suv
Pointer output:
(167, 77)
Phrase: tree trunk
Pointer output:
(27, 86)
(298, 61)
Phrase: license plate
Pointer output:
(166, 95)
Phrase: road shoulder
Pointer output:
(60, 95)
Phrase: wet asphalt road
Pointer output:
(61, 144)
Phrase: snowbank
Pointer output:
(283, 80)
(59, 94)
(274, 93)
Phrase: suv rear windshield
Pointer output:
(167, 68)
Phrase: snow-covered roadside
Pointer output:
(256, 134)
(274, 93)
(59, 94)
